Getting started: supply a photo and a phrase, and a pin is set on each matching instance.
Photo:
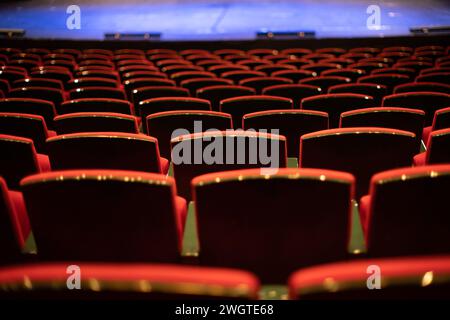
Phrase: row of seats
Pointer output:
(421, 277)
(79, 215)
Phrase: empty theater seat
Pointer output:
(106, 150)
(296, 92)
(19, 159)
(411, 120)
(376, 91)
(201, 153)
(438, 149)
(95, 122)
(291, 123)
(335, 104)
(27, 126)
(239, 106)
(128, 281)
(429, 102)
(259, 83)
(441, 120)
(105, 215)
(14, 225)
(423, 86)
(361, 151)
(96, 105)
(418, 277)
(38, 107)
(217, 93)
(49, 94)
(163, 125)
(403, 214)
(242, 205)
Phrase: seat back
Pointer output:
(150, 92)
(361, 151)
(217, 93)
(101, 215)
(163, 125)
(201, 153)
(441, 119)
(96, 105)
(95, 122)
(407, 212)
(265, 218)
(376, 91)
(18, 160)
(439, 147)
(104, 150)
(291, 123)
(43, 108)
(296, 92)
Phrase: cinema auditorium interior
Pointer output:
(224, 150)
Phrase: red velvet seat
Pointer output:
(96, 105)
(11, 75)
(49, 94)
(137, 83)
(119, 216)
(19, 159)
(239, 106)
(353, 74)
(14, 225)
(224, 151)
(145, 93)
(95, 122)
(291, 123)
(38, 82)
(58, 74)
(402, 278)
(423, 86)
(438, 149)
(106, 150)
(259, 83)
(361, 151)
(239, 75)
(163, 104)
(27, 126)
(129, 281)
(163, 125)
(217, 93)
(429, 102)
(376, 91)
(199, 83)
(113, 75)
(186, 75)
(241, 206)
(296, 92)
(390, 80)
(411, 120)
(325, 82)
(439, 77)
(294, 75)
(43, 108)
(91, 82)
(97, 92)
(335, 104)
(405, 214)
(441, 120)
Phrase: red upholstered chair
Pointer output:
(55, 96)
(19, 159)
(404, 213)
(106, 150)
(423, 86)
(14, 225)
(137, 83)
(163, 104)
(97, 92)
(95, 122)
(259, 83)
(296, 92)
(325, 82)
(239, 75)
(38, 82)
(145, 93)
(239, 106)
(390, 80)
(361, 151)
(27, 126)
(241, 206)
(353, 74)
(291, 123)
(429, 102)
(217, 93)
(438, 149)
(52, 73)
(186, 75)
(96, 105)
(195, 84)
(376, 91)
(120, 216)
(336, 103)
(91, 82)
(163, 125)
(402, 278)
(11, 75)
(129, 281)
(411, 120)
(439, 77)
(43, 108)
(224, 151)
(294, 75)
(441, 120)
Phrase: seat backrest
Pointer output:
(43, 108)
(96, 105)
(95, 122)
(411, 120)
(407, 212)
(376, 91)
(259, 83)
(128, 281)
(97, 92)
(361, 151)
(217, 93)
(25, 125)
(429, 102)
(201, 153)
(419, 277)
(18, 160)
(296, 92)
(239, 106)
(335, 104)
(163, 125)
(439, 147)
(104, 150)
(291, 123)
(49, 94)
(423, 86)
(103, 215)
(236, 211)
(150, 92)
(441, 119)
(195, 84)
